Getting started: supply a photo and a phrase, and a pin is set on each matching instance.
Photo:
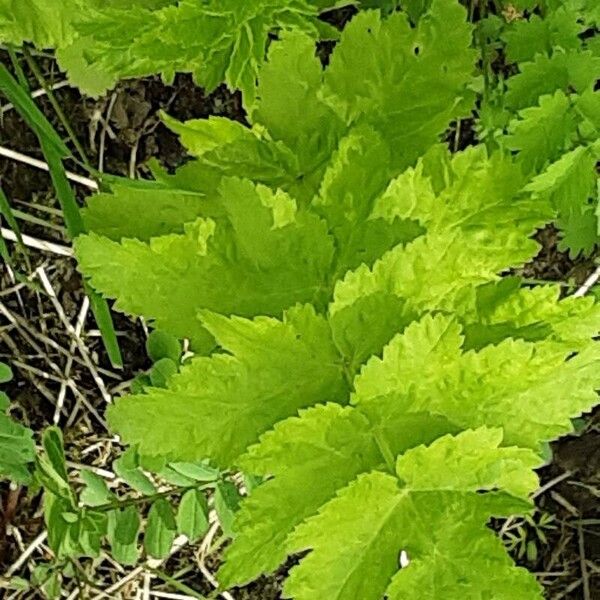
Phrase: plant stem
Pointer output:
(178, 585)
(116, 504)
(14, 59)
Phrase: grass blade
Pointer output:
(55, 104)
(54, 151)
(7, 213)
(27, 108)
(106, 326)
(75, 227)
(5, 253)
(64, 191)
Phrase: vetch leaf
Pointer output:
(123, 531)
(160, 529)
(227, 501)
(96, 492)
(192, 515)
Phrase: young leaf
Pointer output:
(141, 212)
(400, 66)
(52, 441)
(162, 372)
(227, 501)
(17, 450)
(127, 467)
(95, 492)
(162, 345)
(215, 41)
(160, 529)
(123, 530)
(192, 515)
(542, 133)
(196, 471)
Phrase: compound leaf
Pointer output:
(281, 366)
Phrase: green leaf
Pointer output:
(566, 71)
(123, 531)
(52, 587)
(28, 109)
(46, 25)
(363, 327)
(58, 528)
(227, 501)
(161, 344)
(17, 584)
(517, 385)
(213, 418)
(542, 133)
(196, 471)
(52, 442)
(289, 104)
(192, 515)
(335, 436)
(6, 373)
(587, 106)
(127, 467)
(399, 66)
(73, 532)
(473, 458)
(525, 38)
(377, 517)
(162, 371)
(568, 184)
(172, 277)
(215, 41)
(200, 136)
(90, 79)
(160, 529)
(17, 447)
(357, 174)
(504, 309)
(141, 212)
(95, 492)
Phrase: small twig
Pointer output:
(564, 503)
(541, 490)
(33, 66)
(211, 578)
(105, 130)
(97, 470)
(568, 590)
(178, 544)
(550, 484)
(584, 571)
(41, 92)
(588, 284)
(133, 159)
(32, 242)
(203, 553)
(44, 391)
(29, 333)
(40, 164)
(33, 546)
(146, 587)
(80, 345)
(85, 305)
